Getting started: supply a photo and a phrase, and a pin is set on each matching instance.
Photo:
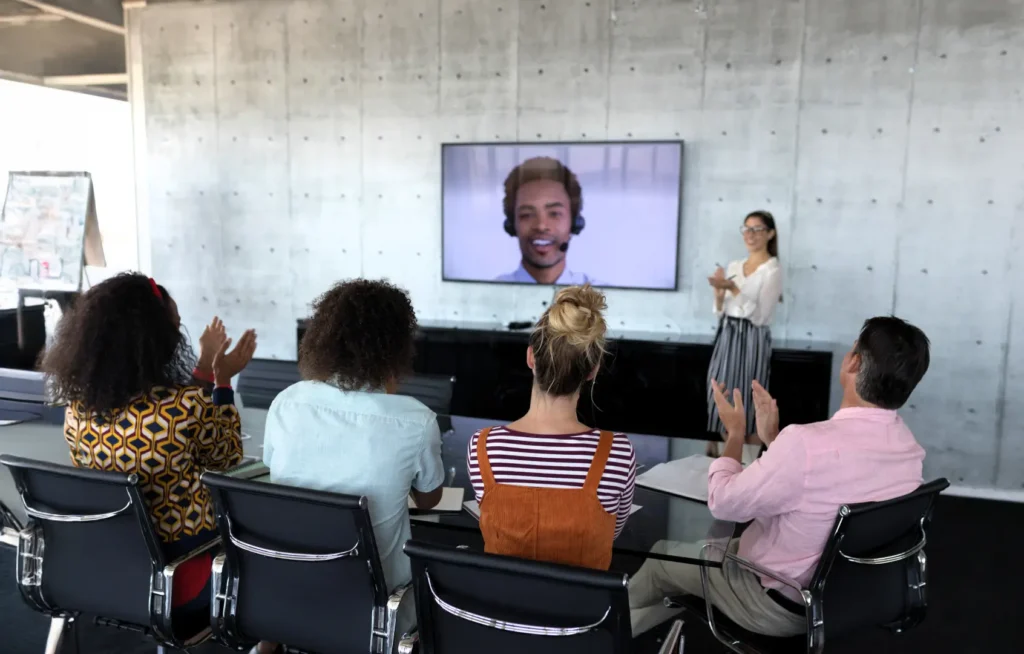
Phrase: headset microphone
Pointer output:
(564, 246)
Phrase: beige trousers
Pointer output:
(735, 591)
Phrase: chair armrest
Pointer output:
(205, 547)
(761, 570)
(753, 567)
(409, 644)
(396, 597)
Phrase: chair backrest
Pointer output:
(469, 602)
(435, 391)
(873, 564)
(99, 549)
(263, 379)
(303, 565)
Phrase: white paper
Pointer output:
(451, 500)
(474, 509)
(684, 477)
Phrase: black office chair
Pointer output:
(435, 391)
(872, 573)
(263, 379)
(300, 568)
(469, 602)
(32, 628)
(90, 548)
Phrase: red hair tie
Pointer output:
(156, 289)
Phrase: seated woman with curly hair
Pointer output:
(344, 430)
(133, 390)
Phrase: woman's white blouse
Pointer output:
(759, 294)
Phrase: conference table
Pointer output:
(662, 517)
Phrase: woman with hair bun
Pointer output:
(551, 488)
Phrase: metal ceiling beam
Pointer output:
(41, 81)
(75, 16)
(86, 80)
(25, 19)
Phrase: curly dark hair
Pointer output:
(539, 168)
(118, 342)
(360, 336)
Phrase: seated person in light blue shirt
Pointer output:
(543, 200)
(344, 430)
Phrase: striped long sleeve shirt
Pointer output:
(561, 461)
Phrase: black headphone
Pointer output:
(578, 223)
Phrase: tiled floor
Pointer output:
(976, 569)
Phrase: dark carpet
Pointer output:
(974, 597)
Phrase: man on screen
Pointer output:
(543, 200)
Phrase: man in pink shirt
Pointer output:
(792, 494)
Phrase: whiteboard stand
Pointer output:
(49, 232)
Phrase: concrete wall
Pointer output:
(285, 145)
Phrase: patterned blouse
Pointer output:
(168, 438)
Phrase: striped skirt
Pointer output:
(742, 353)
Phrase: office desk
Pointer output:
(663, 517)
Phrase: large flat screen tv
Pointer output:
(562, 213)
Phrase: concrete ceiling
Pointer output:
(71, 44)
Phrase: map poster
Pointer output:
(48, 230)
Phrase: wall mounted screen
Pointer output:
(562, 213)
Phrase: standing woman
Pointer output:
(746, 294)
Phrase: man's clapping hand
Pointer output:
(766, 413)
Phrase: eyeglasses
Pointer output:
(760, 229)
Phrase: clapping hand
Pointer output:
(719, 282)
(732, 414)
(210, 342)
(766, 412)
(228, 364)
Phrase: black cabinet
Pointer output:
(648, 384)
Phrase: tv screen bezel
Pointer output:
(679, 208)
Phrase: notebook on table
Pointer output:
(686, 477)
